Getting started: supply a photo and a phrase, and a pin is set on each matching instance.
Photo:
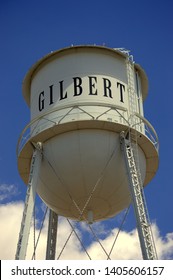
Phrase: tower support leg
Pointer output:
(138, 199)
(29, 203)
(52, 236)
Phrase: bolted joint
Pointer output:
(122, 135)
(38, 145)
(122, 139)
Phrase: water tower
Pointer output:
(88, 151)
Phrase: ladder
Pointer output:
(52, 236)
(129, 145)
(29, 203)
(131, 89)
(138, 199)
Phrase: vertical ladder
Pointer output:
(52, 236)
(138, 199)
(131, 89)
(29, 203)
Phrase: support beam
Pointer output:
(52, 236)
(138, 199)
(29, 203)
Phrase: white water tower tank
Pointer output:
(80, 101)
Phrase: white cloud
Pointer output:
(10, 218)
(7, 191)
(126, 247)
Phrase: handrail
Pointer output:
(149, 125)
(149, 130)
(40, 117)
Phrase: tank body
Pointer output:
(80, 102)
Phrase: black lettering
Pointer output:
(122, 89)
(13, 272)
(61, 91)
(77, 86)
(41, 101)
(51, 95)
(107, 88)
(68, 271)
(92, 88)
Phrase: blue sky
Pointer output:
(31, 29)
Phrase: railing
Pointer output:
(114, 114)
(149, 130)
